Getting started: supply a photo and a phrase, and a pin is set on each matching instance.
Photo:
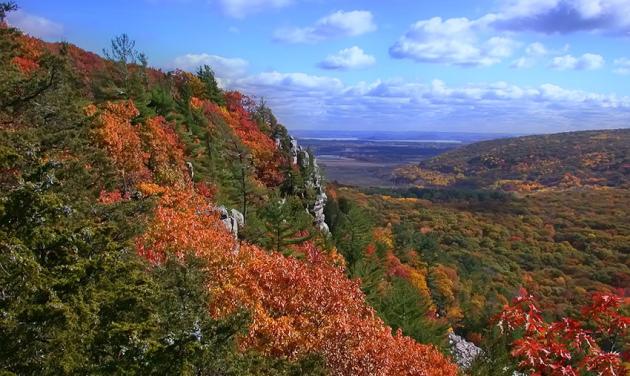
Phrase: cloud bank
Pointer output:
(335, 25)
(36, 26)
(348, 58)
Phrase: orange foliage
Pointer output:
(122, 140)
(126, 145)
(151, 189)
(108, 198)
(30, 52)
(166, 152)
(263, 149)
(298, 307)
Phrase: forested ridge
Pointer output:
(154, 223)
(530, 163)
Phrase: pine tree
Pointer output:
(403, 307)
(352, 232)
(212, 90)
(286, 222)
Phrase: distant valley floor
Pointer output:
(366, 163)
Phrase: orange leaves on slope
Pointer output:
(184, 222)
(31, 50)
(166, 152)
(302, 308)
(122, 141)
(298, 307)
(140, 152)
(263, 149)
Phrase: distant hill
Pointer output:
(563, 160)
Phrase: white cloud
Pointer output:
(536, 49)
(307, 101)
(348, 58)
(36, 26)
(453, 41)
(565, 16)
(622, 66)
(225, 68)
(243, 8)
(584, 62)
(533, 53)
(334, 25)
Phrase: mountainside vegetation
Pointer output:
(155, 223)
(531, 163)
(120, 253)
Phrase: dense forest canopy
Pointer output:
(563, 160)
(154, 223)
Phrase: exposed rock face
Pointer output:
(232, 220)
(464, 352)
(191, 170)
(295, 149)
(318, 212)
(314, 181)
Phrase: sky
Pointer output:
(509, 66)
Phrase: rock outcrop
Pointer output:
(313, 181)
(463, 351)
(232, 219)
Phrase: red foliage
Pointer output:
(263, 149)
(108, 198)
(122, 141)
(568, 346)
(204, 190)
(30, 51)
(166, 152)
(298, 307)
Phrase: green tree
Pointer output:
(6, 7)
(286, 222)
(212, 90)
(128, 78)
(403, 307)
(352, 232)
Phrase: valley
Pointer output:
(370, 158)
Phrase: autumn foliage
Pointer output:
(141, 152)
(298, 307)
(572, 346)
(122, 141)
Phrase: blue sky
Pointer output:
(521, 66)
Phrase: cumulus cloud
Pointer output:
(622, 66)
(334, 25)
(584, 62)
(533, 53)
(536, 49)
(305, 101)
(225, 68)
(243, 8)
(348, 58)
(34, 25)
(454, 41)
(565, 16)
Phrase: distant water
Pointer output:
(378, 140)
(406, 137)
(330, 138)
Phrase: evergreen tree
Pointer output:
(352, 232)
(403, 307)
(212, 90)
(6, 7)
(286, 222)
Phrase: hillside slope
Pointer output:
(124, 192)
(563, 160)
